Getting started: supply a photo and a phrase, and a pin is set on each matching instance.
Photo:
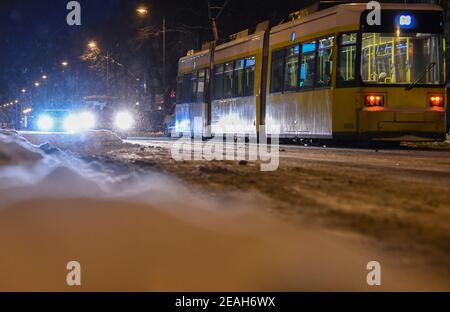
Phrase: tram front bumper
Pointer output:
(396, 124)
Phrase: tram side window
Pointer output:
(347, 58)
(235, 79)
(239, 75)
(186, 89)
(201, 83)
(277, 73)
(228, 80)
(193, 88)
(325, 62)
(249, 88)
(218, 82)
(291, 68)
(180, 90)
(307, 67)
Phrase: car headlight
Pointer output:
(45, 123)
(71, 124)
(79, 122)
(87, 120)
(124, 121)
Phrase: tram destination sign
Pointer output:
(406, 22)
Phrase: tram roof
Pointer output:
(201, 58)
(350, 14)
(336, 16)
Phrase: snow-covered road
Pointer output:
(137, 220)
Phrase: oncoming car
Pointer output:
(62, 120)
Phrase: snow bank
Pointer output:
(89, 142)
(46, 172)
(145, 232)
(14, 150)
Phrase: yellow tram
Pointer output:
(328, 75)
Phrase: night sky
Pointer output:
(36, 38)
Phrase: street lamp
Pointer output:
(64, 63)
(37, 84)
(44, 77)
(24, 90)
(142, 11)
(92, 45)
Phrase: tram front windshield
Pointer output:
(402, 58)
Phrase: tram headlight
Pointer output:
(374, 100)
(124, 121)
(436, 101)
(45, 123)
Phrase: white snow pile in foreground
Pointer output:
(46, 171)
(144, 232)
(16, 150)
(88, 142)
(100, 137)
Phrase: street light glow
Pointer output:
(142, 11)
(92, 45)
(44, 77)
(37, 84)
(24, 91)
(65, 64)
